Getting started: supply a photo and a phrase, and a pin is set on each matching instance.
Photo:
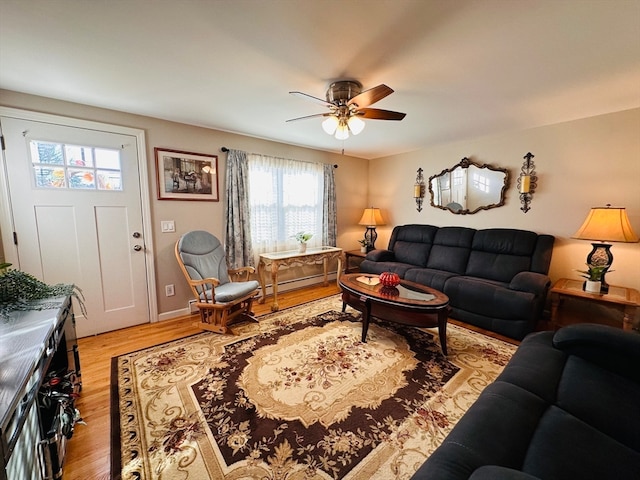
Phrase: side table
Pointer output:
(349, 254)
(626, 300)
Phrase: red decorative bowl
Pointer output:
(389, 279)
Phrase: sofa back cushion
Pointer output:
(500, 253)
(451, 248)
(412, 243)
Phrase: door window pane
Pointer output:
(49, 153)
(49, 177)
(80, 156)
(75, 167)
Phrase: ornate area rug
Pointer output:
(296, 396)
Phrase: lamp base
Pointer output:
(601, 255)
(370, 236)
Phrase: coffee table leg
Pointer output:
(443, 314)
(366, 316)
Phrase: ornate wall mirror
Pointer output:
(468, 187)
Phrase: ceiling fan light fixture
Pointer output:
(342, 132)
(330, 124)
(356, 124)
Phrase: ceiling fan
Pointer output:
(348, 105)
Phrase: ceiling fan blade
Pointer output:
(306, 96)
(377, 114)
(371, 96)
(310, 116)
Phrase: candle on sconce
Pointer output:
(525, 183)
(417, 191)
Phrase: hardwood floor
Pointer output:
(89, 449)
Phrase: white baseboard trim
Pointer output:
(282, 287)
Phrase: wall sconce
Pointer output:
(371, 218)
(418, 190)
(527, 182)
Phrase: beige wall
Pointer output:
(580, 164)
(350, 176)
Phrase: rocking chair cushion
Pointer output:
(232, 291)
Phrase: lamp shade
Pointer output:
(330, 124)
(607, 224)
(342, 132)
(356, 125)
(371, 217)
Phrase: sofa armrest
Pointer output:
(611, 348)
(380, 255)
(530, 282)
(495, 472)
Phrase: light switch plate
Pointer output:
(167, 226)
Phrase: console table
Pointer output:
(624, 299)
(294, 257)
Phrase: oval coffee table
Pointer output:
(409, 303)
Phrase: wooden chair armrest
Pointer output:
(241, 272)
(205, 281)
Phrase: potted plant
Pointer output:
(302, 238)
(593, 274)
(363, 245)
(22, 291)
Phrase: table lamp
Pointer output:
(371, 218)
(605, 224)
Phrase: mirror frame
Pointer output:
(466, 163)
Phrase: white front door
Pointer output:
(75, 205)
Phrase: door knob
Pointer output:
(137, 248)
(136, 235)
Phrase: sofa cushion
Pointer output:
(535, 367)
(500, 253)
(490, 298)
(451, 248)
(412, 243)
(369, 266)
(415, 254)
(494, 472)
(610, 348)
(585, 385)
(428, 276)
(503, 410)
(564, 447)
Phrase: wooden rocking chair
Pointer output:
(221, 300)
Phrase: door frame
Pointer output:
(10, 249)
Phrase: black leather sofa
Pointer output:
(566, 407)
(495, 278)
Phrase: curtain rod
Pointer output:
(225, 149)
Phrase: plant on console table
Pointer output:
(363, 245)
(302, 238)
(22, 291)
(593, 275)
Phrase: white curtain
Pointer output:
(285, 197)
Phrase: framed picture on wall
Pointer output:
(186, 176)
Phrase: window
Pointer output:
(285, 197)
(480, 182)
(56, 165)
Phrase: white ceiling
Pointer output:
(459, 68)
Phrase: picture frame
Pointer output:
(182, 175)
